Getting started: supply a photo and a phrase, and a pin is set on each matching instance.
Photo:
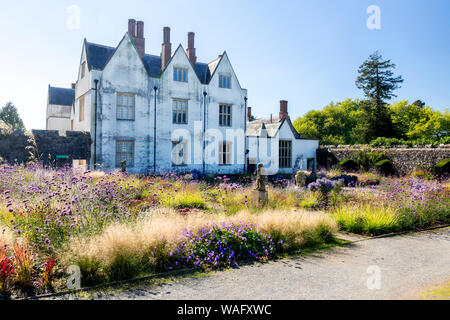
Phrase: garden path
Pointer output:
(406, 266)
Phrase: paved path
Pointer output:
(408, 265)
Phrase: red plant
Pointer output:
(47, 274)
(6, 269)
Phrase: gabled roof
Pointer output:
(61, 96)
(98, 56)
(272, 126)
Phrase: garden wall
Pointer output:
(44, 146)
(404, 159)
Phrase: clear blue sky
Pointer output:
(306, 52)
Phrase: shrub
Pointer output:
(324, 186)
(442, 168)
(367, 160)
(348, 180)
(389, 142)
(348, 165)
(385, 167)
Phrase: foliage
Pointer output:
(385, 167)
(23, 264)
(376, 79)
(367, 160)
(348, 165)
(442, 167)
(10, 116)
(332, 125)
(48, 275)
(324, 186)
(6, 269)
(389, 142)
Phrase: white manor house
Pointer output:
(171, 113)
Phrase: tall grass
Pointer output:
(127, 250)
(367, 219)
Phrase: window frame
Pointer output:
(120, 159)
(179, 111)
(121, 107)
(223, 115)
(228, 152)
(284, 158)
(180, 74)
(227, 84)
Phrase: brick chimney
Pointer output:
(139, 41)
(132, 28)
(166, 48)
(249, 113)
(284, 110)
(190, 51)
(136, 32)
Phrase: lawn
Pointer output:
(116, 226)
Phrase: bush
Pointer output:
(348, 165)
(348, 180)
(381, 142)
(367, 160)
(324, 186)
(442, 168)
(385, 167)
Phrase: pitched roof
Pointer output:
(61, 96)
(255, 128)
(99, 55)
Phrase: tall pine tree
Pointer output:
(10, 115)
(377, 80)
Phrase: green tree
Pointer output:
(418, 122)
(332, 124)
(378, 83)
(10, 116)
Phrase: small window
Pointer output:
(224, 81)
(81, 116)
(179, 153)
(180, 74)
(180, 111)
(285, 154)
(124, 152)
(125, 106)
(83, 69)
(225, 153)
(225, 115)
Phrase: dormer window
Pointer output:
(224, 81)
(180, 74)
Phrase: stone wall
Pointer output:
(16, 147)
(43, 146)
(404, 159)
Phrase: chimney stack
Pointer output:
(166, 48)
(190, 51)
(136, 32)
(132, 28)
(139, 40)
(284, 110)
(249, 113)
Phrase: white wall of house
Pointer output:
(266, 151)
(124, 73)
(58, 118)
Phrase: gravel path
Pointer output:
(408, 264)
